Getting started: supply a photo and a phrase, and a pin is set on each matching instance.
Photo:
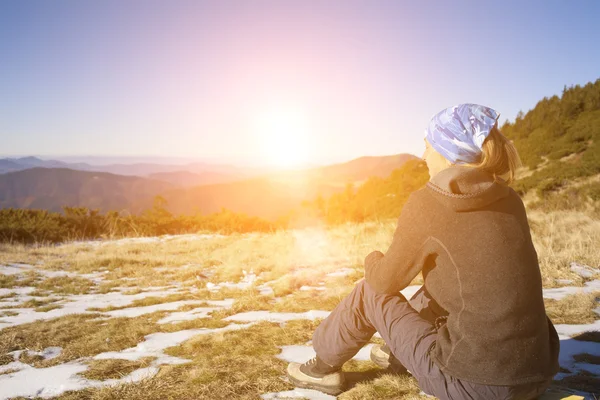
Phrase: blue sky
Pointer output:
(270, 81)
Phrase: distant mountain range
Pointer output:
(191, 174)
(33, 183)
(53, 188)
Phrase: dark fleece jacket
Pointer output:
(470, 237)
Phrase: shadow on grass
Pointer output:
(353, 378)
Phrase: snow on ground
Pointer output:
(559, 293)
(303, 353)
(245, 283)
(48, 353)
(25, 380)
(52, 381)
(198, 312)
(255, 316)
(585, 271)
(155, 343)
(265, 290)
(410, 291)
(341, 272)
(570, 347)
(137, 311)
(298, 393)
(15, 268)
(19, 268)
(29, 381)
(79, 304)
(305, 288)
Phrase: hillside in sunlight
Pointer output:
(276, 194)
(559, 144)
(268, 196)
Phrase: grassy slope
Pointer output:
(559, 144)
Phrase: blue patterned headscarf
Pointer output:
(458, 132)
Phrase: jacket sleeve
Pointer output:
(391, 272)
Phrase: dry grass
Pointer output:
(79, 336)
(66, 285)
(385, 387)
(242, 364)
(8, 313)
(584, 381)
(573, 309)
(561, 238)
(101, 370)
(6, 359)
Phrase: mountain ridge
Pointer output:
(267, 196)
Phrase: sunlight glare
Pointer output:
(283, 135)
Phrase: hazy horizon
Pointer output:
(183, 161)
(273, 83)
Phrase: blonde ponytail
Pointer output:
(499, 156)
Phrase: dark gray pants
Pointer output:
(409, 331)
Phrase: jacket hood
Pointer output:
(463, 188)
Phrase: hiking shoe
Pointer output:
(383, 357)
(380, 355)
(315, 374)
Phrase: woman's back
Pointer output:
(482, 268)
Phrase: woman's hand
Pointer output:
(373, 256)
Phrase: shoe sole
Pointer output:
(308, 385)
(383, 363)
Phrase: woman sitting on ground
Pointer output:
(477, 328)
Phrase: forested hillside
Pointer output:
(559, 142)
(377, 198)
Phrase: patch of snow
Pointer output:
(53, 381)
(564, 281)
(96, 277)
(583, 270)
(155, 343)
(15, 269)
(559, 293)
(48, 353)
(221, 303)
(18, 291)
(301, 353)
(137, 311)
(245, 283)
(410, 291)
(566, 331)
(196, 313)
(265, 290)
(571, 347)
(341, 272)
(308, 288)
(78, 304)
(299, 394)
(255, 316)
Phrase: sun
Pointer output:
(283, 135)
